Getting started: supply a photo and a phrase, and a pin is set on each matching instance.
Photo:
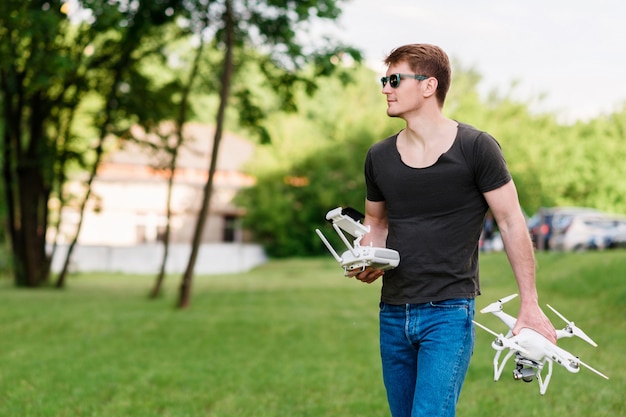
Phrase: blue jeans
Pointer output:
(425, 351)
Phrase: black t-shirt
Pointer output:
(435, 215)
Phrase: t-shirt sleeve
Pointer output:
(373, 192)
(491, 171)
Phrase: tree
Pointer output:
(33, 91)
(173, 151)
(270, 27)
(48, 64)
(122, 68)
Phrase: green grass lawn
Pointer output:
(291, 338)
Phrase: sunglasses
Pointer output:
(394, 79)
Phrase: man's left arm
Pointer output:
(504, 205)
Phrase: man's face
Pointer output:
(407, 95)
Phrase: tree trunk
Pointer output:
(30, 227)
(26, 191)
(60, 283)
(63, 124)
(180, 122)
(227, 71)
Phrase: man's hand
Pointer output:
(367, 276)
(533, 318)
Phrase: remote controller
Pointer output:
(357, 256)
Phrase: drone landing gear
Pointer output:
(543, 384)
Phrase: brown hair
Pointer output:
(425, 59)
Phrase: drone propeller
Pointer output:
(506, 342)
(573, 329)
(592, 369)
(497, 306)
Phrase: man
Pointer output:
(428, 190)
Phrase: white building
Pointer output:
(128, 205)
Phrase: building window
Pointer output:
(230, 228)
(161, 234)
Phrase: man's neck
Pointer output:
(427, 127)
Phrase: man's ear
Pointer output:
(430, 86)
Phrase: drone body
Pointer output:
(532, 350)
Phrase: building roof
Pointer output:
(194, 153)
(144, 158)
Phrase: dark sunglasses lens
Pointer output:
(394, 80)
(383, 81)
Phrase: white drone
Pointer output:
(531, 349)
(357, 256)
